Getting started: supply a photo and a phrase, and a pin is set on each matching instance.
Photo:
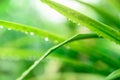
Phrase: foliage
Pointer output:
(91, 52)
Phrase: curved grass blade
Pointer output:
(79, 37)
(39, 32)
(46, 54)
(100, 28)
(42, 33)
(114, 75)
(29, 30)
(28, 54)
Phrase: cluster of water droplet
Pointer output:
(1, 27)
(32, 34)
(29, 33)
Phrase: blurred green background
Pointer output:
(90, 59)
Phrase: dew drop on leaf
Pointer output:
(1, 26)
(46, 39)
(31, 33)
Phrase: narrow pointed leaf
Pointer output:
(45, 55)
(114, 75)
(29, 30)
(39, 32)
(79, 18)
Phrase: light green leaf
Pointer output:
(48, 53)
(29, 30)
(78, 18)
(114, 75)
(42, 33)
(36, 31)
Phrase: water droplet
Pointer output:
(1, 26)
(9, 28)
(31, 33)
(46, 39)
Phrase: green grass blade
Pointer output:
(85, 36)
(46, 54)
(99, 28)
(39, 32)
(81, 36)
(114, 75)
(29, 30)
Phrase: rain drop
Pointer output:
(46, 39)
(1, 26)
(31, 33)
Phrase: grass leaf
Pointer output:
(114, 75)
(48, 53)
(29, 29)
(99, 28)
(39, 32)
